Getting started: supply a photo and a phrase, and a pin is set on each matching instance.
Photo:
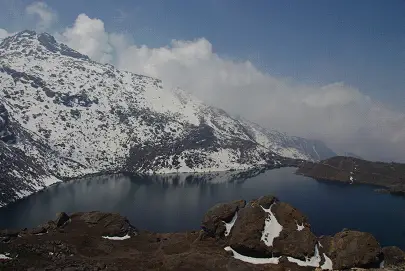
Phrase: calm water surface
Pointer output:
(177, 203)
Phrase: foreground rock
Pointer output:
(264, 234)
(391, 176)
(393, 256)
(349, 249)
(216, 217)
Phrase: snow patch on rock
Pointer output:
(229, 225)
(4, 257)
(117, 238)
(272, 228)
(300, 227)
(327, 265)
(314, 261)
(236, 255)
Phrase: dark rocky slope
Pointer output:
(391, 176)
(261, 228)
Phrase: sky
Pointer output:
(328, 70)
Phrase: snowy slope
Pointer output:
(82, 117)
(288, 146)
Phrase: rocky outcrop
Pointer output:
(296, 239)
(266, 234)
(62, 219)
(107, 224)
(267, 228)
(348, 249)
(6, 132)
(247, 232)
(288, 231)
(352, 170)
(216, 217)
(393, 256)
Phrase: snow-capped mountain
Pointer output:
(69, 116)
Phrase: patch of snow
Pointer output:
(51, 253)
(117, 238)
(230, 224)
(317, 154)
(236, 255)
(351, 179)
(382, 264)
(292, 153)
(300, 227)
(50, 180)
(23, 193)
(314, 261)
(272, 228)
(327, 265)
(4, 257)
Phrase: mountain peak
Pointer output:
(26, 33)
(29, 42)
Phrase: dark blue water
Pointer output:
(179, 203)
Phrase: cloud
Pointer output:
(338, 114)
(89, 37)
(44, 14)
(3, 33)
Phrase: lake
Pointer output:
(178, 202)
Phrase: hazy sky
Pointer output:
(331, 70)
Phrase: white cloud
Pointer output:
(3, 33)
(45, 15)
(340, 115)
(88, 36)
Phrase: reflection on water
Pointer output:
(178, 202)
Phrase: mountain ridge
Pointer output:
(74, 117)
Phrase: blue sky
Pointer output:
(329, 70)
(361, 43)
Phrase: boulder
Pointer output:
(213, 222)
(107, 224)
(393, 256)
(247, 232)
(295, 238)
(62, 219)
(349, 249)
(266, 201)
(38, 230)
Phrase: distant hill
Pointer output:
(350, 154)
(354, 170)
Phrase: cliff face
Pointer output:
(264, 234)
(353, 170)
